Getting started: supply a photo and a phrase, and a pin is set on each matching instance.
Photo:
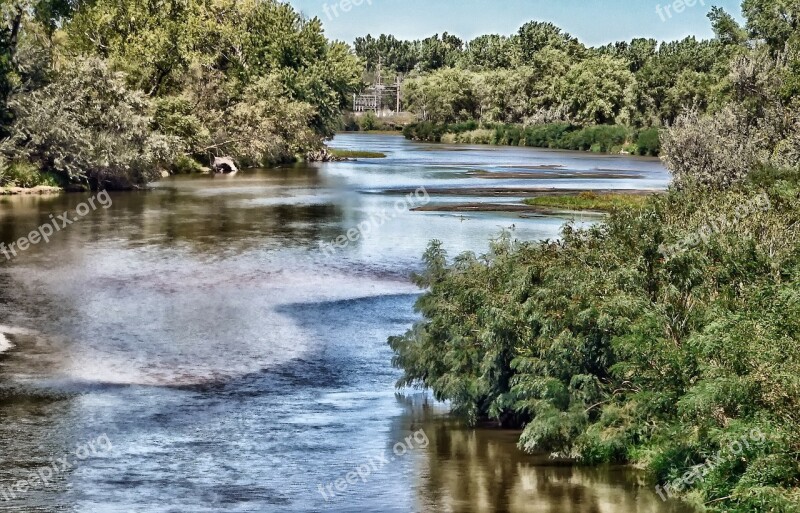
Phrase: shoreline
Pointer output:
(525, 192)
(39, 190)
(500, 208)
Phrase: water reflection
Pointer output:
(482, 471)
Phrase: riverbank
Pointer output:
(38, 190)
(613, 139)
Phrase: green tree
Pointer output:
(444, 96)
(774, 21)
(490, 52)
(726, 28)
(594, 90)
(534, 36)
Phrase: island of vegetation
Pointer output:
(356, 154)
(589, 201)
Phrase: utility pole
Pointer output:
(397, 85)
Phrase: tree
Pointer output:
(726, 28)
(490, 52)
(444, 96)
(594, 90)
(535, 36)
(436, 53)
(14, 16)
(774, 21)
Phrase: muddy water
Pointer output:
(236, 359)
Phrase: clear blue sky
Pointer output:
(594, 22)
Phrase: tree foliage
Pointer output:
(250, 79)
(667, 332)
(606, 347)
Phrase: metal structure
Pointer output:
(375, 97)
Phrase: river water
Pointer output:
(204, 347)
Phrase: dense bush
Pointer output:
(90, 128)
(648, 142)
(24, 174)
(712, 151)
(609, 345)
(424, 131)
(600, 138)
(252, 80)
(546, 136)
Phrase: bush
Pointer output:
(479, 136)
(24, 174)
(89, 128)
(460, 128)
(648, 142)
(424, 131)
(185, 165)
(368, 121)
(714, 152)
(349, 123)
(546, 136)
(605, 347)
(600, 138)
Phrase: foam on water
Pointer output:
(5, 345)
(164, 319)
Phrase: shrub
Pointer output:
(185, 165)
(648, 142)
(714, 151)
(424, 131)
(546, 136)
(368, 121)
(89, 128)
(607, 349)
(24, 174)
(600, 138)
(480, 136)
(466, 126)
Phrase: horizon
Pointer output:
(602, 22)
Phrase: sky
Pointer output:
(594, 22)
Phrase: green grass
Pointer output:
(589, 201)
(352, 154)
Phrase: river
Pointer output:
(207, 346)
